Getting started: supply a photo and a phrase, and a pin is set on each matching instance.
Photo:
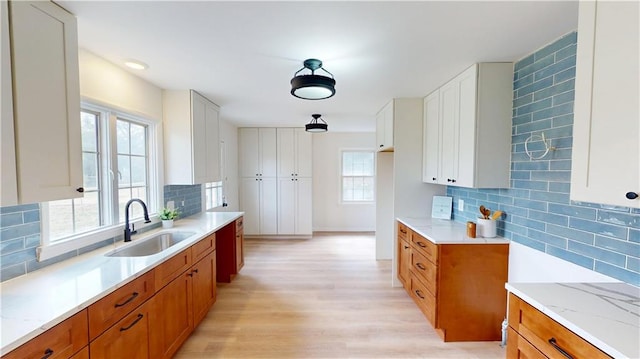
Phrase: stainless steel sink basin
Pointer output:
(153, 245)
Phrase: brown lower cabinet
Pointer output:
(147, 318)
(458, 287)
(533, 334)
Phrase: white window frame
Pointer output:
(340, 177)
(49, 249)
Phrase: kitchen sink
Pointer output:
(153, 245)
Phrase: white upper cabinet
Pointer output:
(257, 152)
(606, 129)
(191, 138)
(384, 128)
(9, 180)
(46, 100)
(431, 136)
(467, 129)
(294, 152)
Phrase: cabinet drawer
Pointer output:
(110, 309)
(520, 348)
(425, 247)
(426, 271)
(61, 341)
(203, 247)
(546, 334)
(172, 268)
(425, 300)
(403, 232)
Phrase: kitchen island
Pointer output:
(36, 302)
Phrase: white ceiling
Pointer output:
(242, 55)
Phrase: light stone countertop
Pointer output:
(442, 231)
(35, 302)
(605, 314)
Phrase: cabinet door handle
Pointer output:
(421, 266)
(194, 271)
(403, 231)
(47, 353)
(80, 189)
(453, 180)
(132, 297)
(381, 145)
(132, 324)
(433, 178)
(631, 195)
(421, 244)
(406, 247)
(419, 293)
(554, 344)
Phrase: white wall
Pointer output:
(329, 214)
(107, 84)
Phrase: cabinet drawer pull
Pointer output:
(132, 324)
(419, 293)
(554, 344)
(133, 296)
(403, 231)
(406, 247)
(47, 353)
(421, 266)
(421, 244)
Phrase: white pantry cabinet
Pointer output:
(294, 152)
(294, 206)
(46, 102)
(191, 138)
(474, 129)
(431, 138)
(257, 152)
(384, 127)
(259, 201)
(606, 129)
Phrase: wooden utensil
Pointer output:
(485, 212)
(497, 214)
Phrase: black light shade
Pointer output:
(315, 126)
(313, 86)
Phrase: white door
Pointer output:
(431, 138)
(304, 208)
(199, 136)
(448, 143)
(249, 152)
(268, 205)
(268, 152)
(286, 205)
(47, 101)
(466, 151)
(303, 150)
(286, 152)
(213, 143)
(250, 204)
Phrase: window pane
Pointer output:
(347, 189)
(124, 171)
(89, 123)
(60, 218)
(138, 140)
(122, 129)
(347, 163)
(369, 189)
(138, 171)
(90, 171)
(87, 212)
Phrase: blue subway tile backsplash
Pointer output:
(539, 213)
(20, 232)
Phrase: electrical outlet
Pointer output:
(461, 205)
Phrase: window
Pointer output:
(117, 166)
(213, 194)
(358, 173)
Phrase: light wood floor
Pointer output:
(326, 297)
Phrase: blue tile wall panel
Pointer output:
(20, 232)
(539, 213)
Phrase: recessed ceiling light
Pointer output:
(137, 65)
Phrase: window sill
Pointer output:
(74, 243)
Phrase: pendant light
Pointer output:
(315, 126)
(313, 86)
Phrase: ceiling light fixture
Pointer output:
(315, 126)
(136, 65)
(312, 86)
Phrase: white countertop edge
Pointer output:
(193, 223)
(567, 324)
(427, 223)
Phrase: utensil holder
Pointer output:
(486, 228)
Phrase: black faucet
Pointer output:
(127, 230)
